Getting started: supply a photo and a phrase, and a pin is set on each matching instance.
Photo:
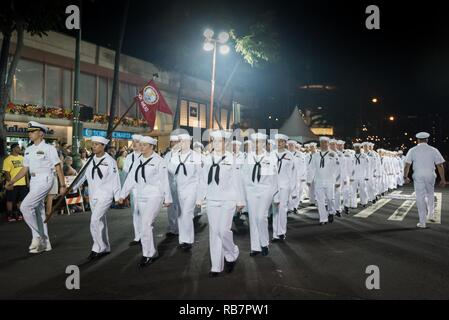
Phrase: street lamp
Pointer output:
(391, 118)
(374, 100)
(210, 44)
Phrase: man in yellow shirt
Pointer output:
(14, 195)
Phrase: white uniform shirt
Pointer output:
(186, 171)
(103, 178)
(301, 165)
(359, 166)
(41, 158)
(424, 158)
(324, 169)
(286, 170)
(130, 161)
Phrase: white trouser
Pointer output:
(293, 203)
(338, 193)
(302, 188)
(137, 218)
(370, 190)
(33, 206)
(149, 207)
(360, 185)
(280, 213)
(98, 224)
(391, 181)
(312, 193)
(346, 193)
(425, 201)
(187, 201)
(258, 206)
(325, 195)
(221, 241)
(173, 211)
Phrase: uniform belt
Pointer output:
(35, 174)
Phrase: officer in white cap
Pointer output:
(222, 188)
(260, 180)
(153, 191)
(40, 161)
(104, 186)
(287, 186)
(311, 187)
(173, 210)
(424, 158)
(185, 166)
(323, 171)
(130, 162)
(333, 146)
(359, 169)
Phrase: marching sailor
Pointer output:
(40, 161)
(359, 169)
(104, 186)
(150, 178)
(222, 188)
(294, 198)
(173, 210)
(185, 166)
(260, 180)
(312, 149)
(323, 170)
(341, 175)
(287, 186)
(370, 190)
(130, 162)
(424, 158)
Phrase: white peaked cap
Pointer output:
(149, 140)
(280, 136)
(324, 138)
(100, 140)
(422, 135)
(32, 125)
(197, 144)
(291, 142)
(184, 136)
(259, 136)
(136, 137)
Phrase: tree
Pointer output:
(22, 16)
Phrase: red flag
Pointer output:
(151, 100)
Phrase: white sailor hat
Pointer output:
(184, 136)
(422, 135)
(271, 141)
(99, 139)
(239, 143)
(324, 138)
(355, 145)
(312, 144)
(247, 142)
(198, 144)
(332, 141)
(220, 134)
(149, 140)
(280, 136)
(33, 126)
(401, 152)
(291, 142)
(370, 144)
(340, 142)
(174, 138)
(259, 136)
(307, 145)
(136, 137)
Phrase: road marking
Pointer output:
(439, 200)
(370, 210)
(400, 213)
(306, 210)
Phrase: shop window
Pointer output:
(88, 90)
(102, 95)
(28, 82)
(67, 100)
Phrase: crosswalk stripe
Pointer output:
(370, 210)
(305, 210)
(438, 208)
(400, 213)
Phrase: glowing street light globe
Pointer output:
(224, 49)
(374, 100)
(223, 37)
(208, 33)
(208, 46)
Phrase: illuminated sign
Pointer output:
(103, 133)
(323, 131)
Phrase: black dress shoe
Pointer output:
(323, 223)
(182, 245)
(92, 255)
(171, 234)
(213, 274)
(374, 201)
(264, 251)
(338, 214)
(363, 206)
(331, 218)
(346, 210)
(229, 266)
(254, 253)
(145, 261)
(276, 240)
(282, 237)
(134, 243)
(295, 211)
(102, 254)
(187, 246)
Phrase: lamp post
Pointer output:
(210, 44)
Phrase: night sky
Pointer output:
(405, 64)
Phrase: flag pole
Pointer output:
(83, 169)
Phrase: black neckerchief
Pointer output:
(357, 159)
(381, 160)
(217, 171)
(132, 163)
(257, 168)
(97, 167)
(142, 166)
(280, 161)
(182, 164)
(310, 159)
(322, 159)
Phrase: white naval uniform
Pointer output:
(424, 158)
(312, 185)
(287, 186)
(150, 178)
(359, 175)
(323, 171)
(221, 185)
(40, 160)
(345, 183)
(186, 170)
(104, 186)
(301, 172)
(370, 184)
(341, 176)
(173, 210)
(377, 174)
(130, 162)
(384, 174)
(260, 181)
(401, 160)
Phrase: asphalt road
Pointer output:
(315, 262)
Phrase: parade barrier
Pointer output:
(73, 198)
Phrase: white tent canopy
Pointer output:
(296, 128)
